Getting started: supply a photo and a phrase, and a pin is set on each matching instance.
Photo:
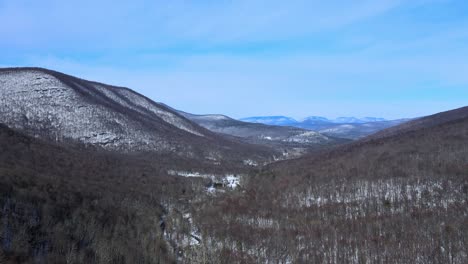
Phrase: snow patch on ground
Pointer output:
(338, 129)
(229, 180)
(232, 181)
(266, 137)
(191, 174)
(250, 162)
(194, 238)
(307, 137)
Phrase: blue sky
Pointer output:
(389, 58)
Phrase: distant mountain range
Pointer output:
(292, 141)
(343, 127)
(287, 121)
(271, 120)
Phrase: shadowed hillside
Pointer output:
(72, 203)
(68, 204)
(398, 199)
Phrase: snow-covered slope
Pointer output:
(359, 130)
(308, 137)
(51, 104)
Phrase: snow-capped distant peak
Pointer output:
(350, 120)
(315, 119)
(355, 120)
(270, 120)
(373, 119)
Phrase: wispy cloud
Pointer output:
(272, 57)
(155, 24)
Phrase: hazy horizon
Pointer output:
(390, 58)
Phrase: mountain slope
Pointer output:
(401, 198)
(432, 140)
(62, 202)
(358, 130)
(424, 122)
(59, 204)
(55, 105)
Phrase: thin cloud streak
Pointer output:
(239, 57)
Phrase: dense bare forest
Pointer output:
(399, 199)
(71, 203)
(398, 196)
(234, 132)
